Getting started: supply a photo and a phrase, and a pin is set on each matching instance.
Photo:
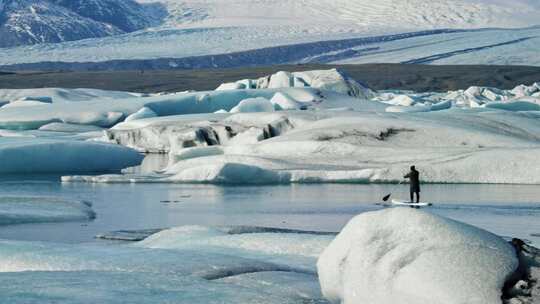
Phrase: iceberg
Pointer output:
(514, 106)
(404, 255)
(19, 155)
(62, 95)
(332, 80)
(283, 102)
(296, 249)
(144, 112)
(253, 105)
(69, 128)
(22, 210)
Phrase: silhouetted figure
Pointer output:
(414, 177)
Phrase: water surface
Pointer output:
(508, 210)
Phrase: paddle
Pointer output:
(386, 197)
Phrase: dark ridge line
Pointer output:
(432, 58)
(233, 272)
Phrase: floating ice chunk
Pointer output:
(248, 83)
(195, 152)
(25, 103)
(69, 128)
(335, 81)
(230, 173)
(328, 80)
(523, 90)
(250, 136)
(231, 86)
(251, 105)
(402, 100)
(39, 155)
(43, 99)
(485, 93)
(297, 250)
(281, 80)
(105, 119)
(267, 242)
(128, 235)
(514, 106)
(61, 95)
(443, 105)
(22, 210)
(408, 256)
(144, 112)
(8, 133)
(402, 109)
(335, 176)
(282, 102)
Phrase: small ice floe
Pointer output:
(46, 155)
(23, 210)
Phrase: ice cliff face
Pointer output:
(25, 22)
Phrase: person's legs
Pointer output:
(418, 197)
(412, 196)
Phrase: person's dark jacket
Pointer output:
(414, 177)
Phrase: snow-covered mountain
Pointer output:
(25, 22)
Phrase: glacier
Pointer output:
(253, 32)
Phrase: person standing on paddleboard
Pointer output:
(414, 177)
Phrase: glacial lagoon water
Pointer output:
(508, 210)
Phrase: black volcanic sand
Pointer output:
(378, 76)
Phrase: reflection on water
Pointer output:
(504, 209)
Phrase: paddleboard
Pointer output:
(405, 204)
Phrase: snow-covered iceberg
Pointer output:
(404, 255)
(22, 210)
(327, 80)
